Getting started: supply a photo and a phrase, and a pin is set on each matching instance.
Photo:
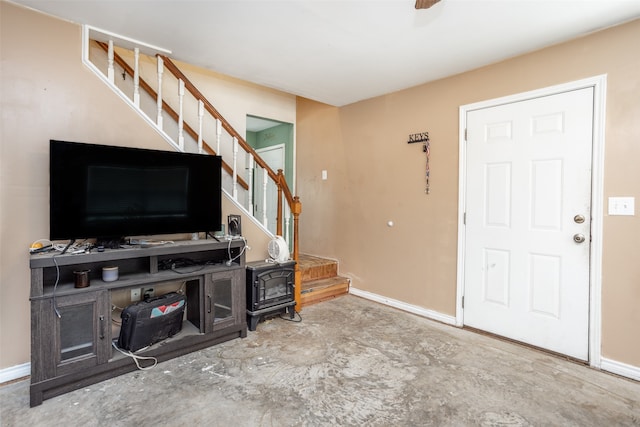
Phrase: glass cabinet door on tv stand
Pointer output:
(75, 329)
(221, 298)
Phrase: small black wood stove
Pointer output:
(269, 290)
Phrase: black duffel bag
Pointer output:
(150, 321)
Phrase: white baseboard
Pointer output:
(423, 312)
(620, 368)
(15, 372)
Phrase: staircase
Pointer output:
(320, 280)
(153, 86)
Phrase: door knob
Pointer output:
(578, 238)
(578, 219)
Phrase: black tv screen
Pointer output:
(108, 192)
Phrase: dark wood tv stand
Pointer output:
(74, 350)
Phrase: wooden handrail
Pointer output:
(172, 113)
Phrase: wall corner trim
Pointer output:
(420, 311)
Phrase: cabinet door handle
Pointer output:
(101, 327)
(209, 303)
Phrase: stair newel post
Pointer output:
(265, 180)
(218, 135)
(180, 114)
(279, 207)
(296, 209)
(235, 168)
(159, 97)
(250, 190)
(136, 77)
(110, 70)
(200, 119)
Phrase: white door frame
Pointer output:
(283, 150)
(599, 85)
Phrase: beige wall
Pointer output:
(375, 176)
(46, 93)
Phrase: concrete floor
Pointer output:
(349, 362)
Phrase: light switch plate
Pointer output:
(622, 205)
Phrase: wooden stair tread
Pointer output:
(307, 260)
(313, 267)
(324, 283)
(320, 290)
(320, 279)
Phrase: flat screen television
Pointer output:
(108, 193)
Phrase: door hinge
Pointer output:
(464, 218)
(465, 134)
(463, 301)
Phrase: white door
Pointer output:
(527, 201)
(274, 157)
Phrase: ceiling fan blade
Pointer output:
(425, 4)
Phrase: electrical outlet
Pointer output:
(135, 294)
(148, 293)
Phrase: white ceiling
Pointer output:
(340, 52)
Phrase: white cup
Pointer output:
(109, 274)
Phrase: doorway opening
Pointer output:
(273, 140)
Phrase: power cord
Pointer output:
(298, 320)
(66, 248)
(231, 259)
(55, 287)
(137, 358)
(41, 245)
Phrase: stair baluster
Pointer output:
(136, 77)
(235, 168)
(110, 70)
(218, 134)
(265, 181)
(159, 92)
(200, 120)
(181, 114)
(250, 205)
